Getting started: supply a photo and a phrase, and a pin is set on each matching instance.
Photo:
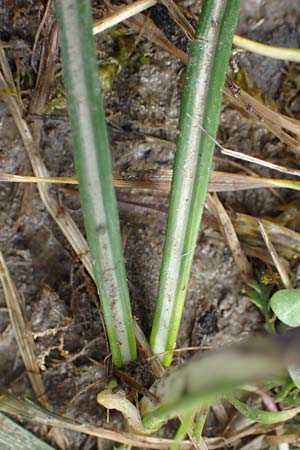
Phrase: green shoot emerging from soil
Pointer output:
(200, 108)
(94, 170)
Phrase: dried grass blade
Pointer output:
(257, 443)
(230, 236)
(260, 162)
(279, 263)
(144, 24)
(13, 436)
(272, 120)
(22, 333)
(120, 14)
(12, 178)
(180, 18)
(160, 180)
(286, 241)
(25, 342)
(282, 439)
(225, 181)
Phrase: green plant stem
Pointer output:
(200, 422)
(200, 108)
(182, 430)
(94, 171)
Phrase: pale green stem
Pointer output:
(200, 107)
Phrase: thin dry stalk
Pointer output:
(12, 178)
(160, 180)
(22, 333)
(39, 30)
(252, 159)
(120, 14)
(181, 20)
(257, 443)
(274, 122)
(194, 348)
(251, 103)
(220, 413)
(287, 241)
(229, 234)
(256, 429)
(258, 161)
(25, 343)
(279, 263)
(142, 23)
(283, 439)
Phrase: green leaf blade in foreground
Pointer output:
(264, 417)
(206, 378)
(15, 437)
(94, 170)
(285, 303)
(200, 109)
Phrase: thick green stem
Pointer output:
(200, 108)
(200, 422)
(94, 170)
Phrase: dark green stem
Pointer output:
(94, 171)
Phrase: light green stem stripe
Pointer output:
(200, 108)
(94, 170)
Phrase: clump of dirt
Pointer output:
(59, 298)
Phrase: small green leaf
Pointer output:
(265, 417)
(286, 305)
(294, 371)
